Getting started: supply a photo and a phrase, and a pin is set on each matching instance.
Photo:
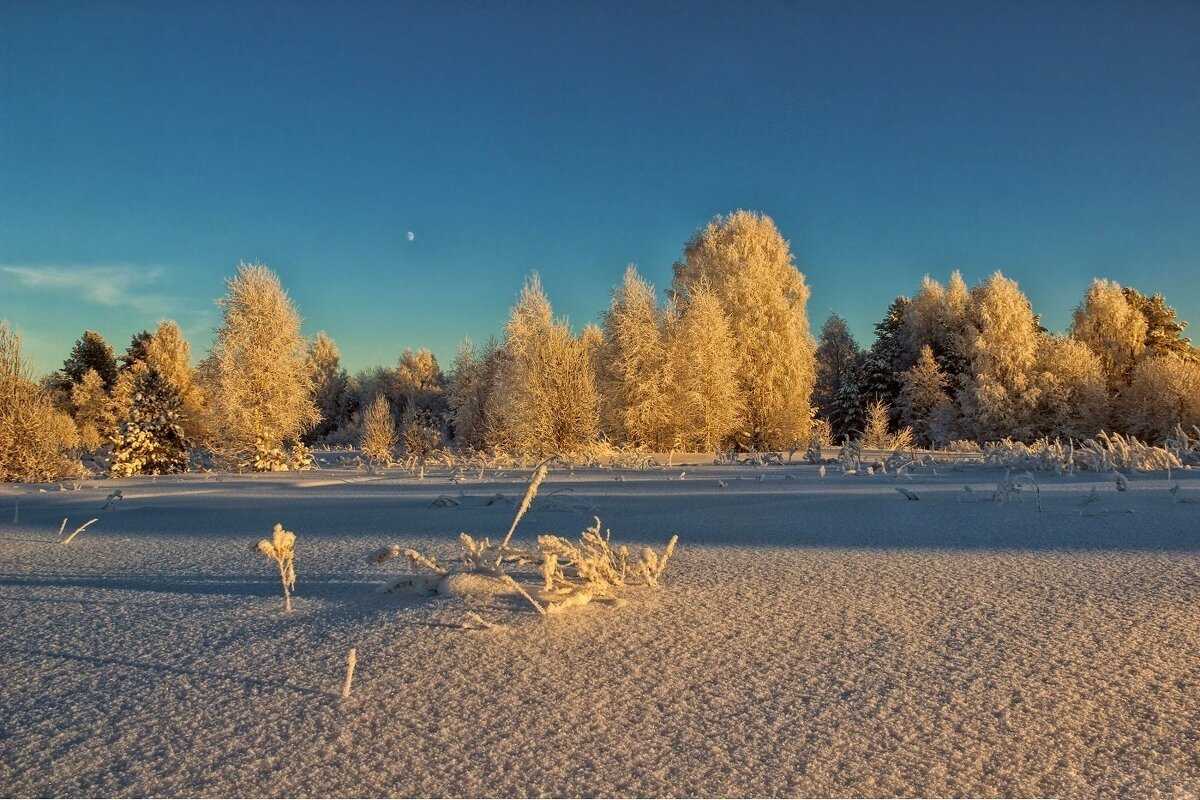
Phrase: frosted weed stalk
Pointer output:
(280, 549)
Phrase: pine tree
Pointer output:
(136, 351)
(262, 392)
(700, 389)
(746, 263)
(888, 357)
(91, 351)
(1113, 329)
(922, 391)
(151, 441)
(631, 377)
(837, 356)
(378, 437)
(1164, 332)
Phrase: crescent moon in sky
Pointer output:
(411, 236)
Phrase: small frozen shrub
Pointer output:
(281, 550)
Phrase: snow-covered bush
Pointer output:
(572, 574)
(281, 549)
(1185, 446)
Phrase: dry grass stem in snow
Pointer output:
(351, 662)
(280, 549)
(538, 476)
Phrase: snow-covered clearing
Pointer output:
(814, 636)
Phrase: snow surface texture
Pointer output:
(814, 636)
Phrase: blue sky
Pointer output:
(146, 148)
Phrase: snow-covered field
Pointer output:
(814, 636)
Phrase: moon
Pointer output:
(411, 236)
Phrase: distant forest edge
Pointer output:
(728, 363)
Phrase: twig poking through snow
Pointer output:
(509, 582)
(63, 527)
(78, 530)
(907, 494)
(351, 662)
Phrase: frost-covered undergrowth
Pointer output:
(819, 635)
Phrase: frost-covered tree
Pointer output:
(837, 357)
(1002, 337)
(467, 397)
(701, 390)
(1114, 330)
(151, 440)
(329, 384)
(748, 266)
(631, 365)
(36, 439)
(94, 415)
(419, 382)
(922, 391)
(545, 398)
(1070, 400)
(1164, 392)
(262, 392)
(378, 437)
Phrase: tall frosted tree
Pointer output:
(329, 383)
(419, 382)
(701, 390)
(837, 357)
(545, 395)
(631, 365)
(1114, 330)
(36, 438)
(1002, 336)
(1070, 400)
(748, 266)
(262, 389)
(467, 397)
(922, 393)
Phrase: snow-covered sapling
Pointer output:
(280, 549)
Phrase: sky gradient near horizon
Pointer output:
(146, 148)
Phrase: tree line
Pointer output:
(727, 362)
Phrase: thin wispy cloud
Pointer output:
(107, 285)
